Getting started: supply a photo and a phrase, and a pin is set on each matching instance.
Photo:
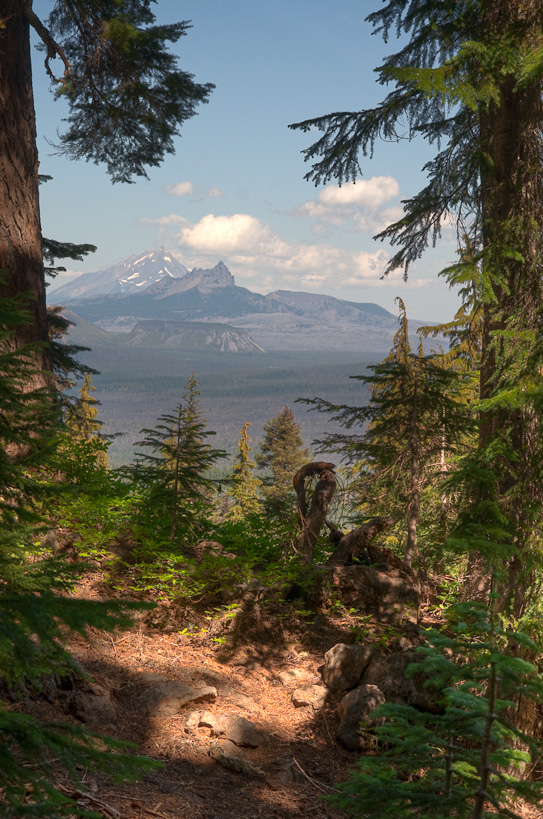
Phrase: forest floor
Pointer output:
(297, 761)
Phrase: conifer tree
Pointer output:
(469, 81)
(281, 453)
(416, 412)
(37, 610)
(462, 760)
(175, 470)
(81, 418)
(246, 485)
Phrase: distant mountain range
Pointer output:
(156, 301)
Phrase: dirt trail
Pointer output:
(297, 761)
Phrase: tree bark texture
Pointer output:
(20, 228)
(414, 495)
(512, 211)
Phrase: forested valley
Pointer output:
(350, 628)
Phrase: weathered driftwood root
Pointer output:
(308, 471)
(312, 520)
(355, 543)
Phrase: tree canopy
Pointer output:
(127, 100)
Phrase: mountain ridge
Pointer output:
(280, 320)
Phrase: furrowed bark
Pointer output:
(20, 229)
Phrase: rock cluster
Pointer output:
(368, 679)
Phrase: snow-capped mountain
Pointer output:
(155, 287)
(131, 276)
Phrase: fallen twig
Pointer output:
(321, 787)
(75, 793)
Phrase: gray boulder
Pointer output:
(309, 695)
(356, 707)
(291, 677)
(237, 729)
(389, 674)
(92, 704)
(391, 595)
(344, 666)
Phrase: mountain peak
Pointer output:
(205, 281)
(130, 276)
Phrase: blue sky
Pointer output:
(234, 190)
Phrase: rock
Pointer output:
(233, 697)
(192, 722)
(344, 666)
(152, 677)
(354, 708)
(237, 729)
(49, 542)
(294, 676)
(93, 705)
(167, 698)
(389, 674)
(288, 774)
(390, 595)
(233, 758)
(314, 695)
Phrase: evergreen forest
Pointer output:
(347, 629)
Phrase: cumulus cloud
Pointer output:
(172, 219)
(224, 234)
(261, 258)
(357, 206)
(181, 189)
(190, 189)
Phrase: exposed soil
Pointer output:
(240, 654)
(299, 759)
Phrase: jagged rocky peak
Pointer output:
(218, 276)
(205, 281)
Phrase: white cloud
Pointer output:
(224, 234)
(364, 193)
(172, 219)
(181, 189)
(356, 205)
(190, 189)
(263, 259)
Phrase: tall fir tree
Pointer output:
(37, 608)
(416, 415)
(246, 485)
(175, 471)
(468, 80)
(281, 454)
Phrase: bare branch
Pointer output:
(53, 48)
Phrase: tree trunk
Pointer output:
(512, 212)
(414, 499)
(512, 197)
(21, 259)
